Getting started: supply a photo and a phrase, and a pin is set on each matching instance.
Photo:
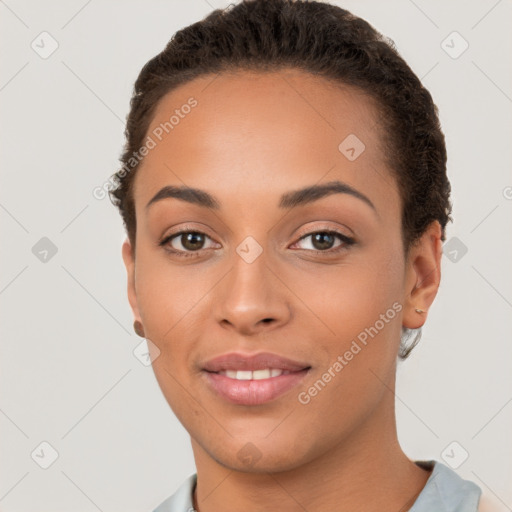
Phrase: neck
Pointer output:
(366, 470)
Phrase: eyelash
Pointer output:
(347, 242)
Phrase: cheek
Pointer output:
(342, 300)
(170, 302)
(360, 308)
(167, 296)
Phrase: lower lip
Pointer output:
(253, 392)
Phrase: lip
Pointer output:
(259, 361)
(253, 392)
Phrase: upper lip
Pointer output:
(250, 362)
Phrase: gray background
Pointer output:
(68, 373)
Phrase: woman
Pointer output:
(285, 197)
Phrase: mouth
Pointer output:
(253, 379)
(265, 373)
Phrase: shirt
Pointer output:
(445, 491)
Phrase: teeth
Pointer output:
(261, 374)
(266, 373)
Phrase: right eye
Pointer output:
(185, 243)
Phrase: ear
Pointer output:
(423, 276)
(129, 262)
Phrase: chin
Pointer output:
(258, 455)
(264, 465)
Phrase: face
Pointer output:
(290, 246)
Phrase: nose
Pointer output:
(251, 298)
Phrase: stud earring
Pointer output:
(138, 328)
(419, 310)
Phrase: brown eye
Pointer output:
(191, 241)
(325, 241)
(187, 243)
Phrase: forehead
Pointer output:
(249, 129)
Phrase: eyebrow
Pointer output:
(291, 199)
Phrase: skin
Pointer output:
(251, 138)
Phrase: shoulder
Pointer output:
(181, 500)
(446, 491)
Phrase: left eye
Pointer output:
(323, 241)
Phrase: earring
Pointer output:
(419, 311)
(138, 328)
